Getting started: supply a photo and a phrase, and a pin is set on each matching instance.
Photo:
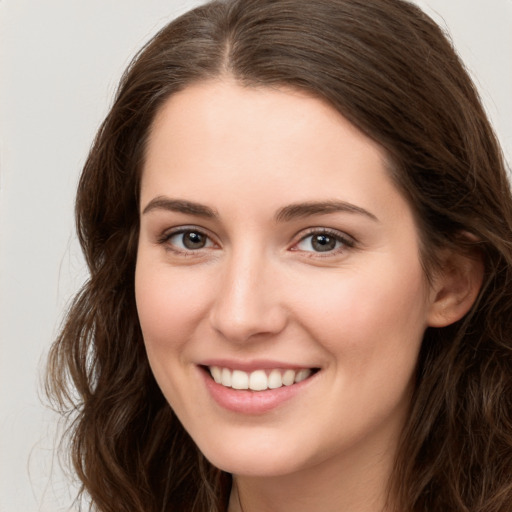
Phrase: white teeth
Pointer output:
(288, 377)
(226, 377)
(239, 379)
(302, 375)
(275, 380)
(258, 380)
(216, 374)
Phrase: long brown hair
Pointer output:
(389, 69)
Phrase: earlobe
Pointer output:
(456, 287)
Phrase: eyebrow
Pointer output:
(298, 210)
(181, 206)
(285, 214)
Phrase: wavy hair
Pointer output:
(390, 70)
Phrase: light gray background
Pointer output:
(60, 61)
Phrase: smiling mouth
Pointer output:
(259, 380)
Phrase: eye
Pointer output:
(186, 240)
(323, 241)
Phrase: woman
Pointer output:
(298, 227)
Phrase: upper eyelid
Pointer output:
(170, 232)
(331, 231)
(298, 237)
(183, 229)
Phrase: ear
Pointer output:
(455, 286)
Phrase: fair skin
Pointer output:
(273, 239)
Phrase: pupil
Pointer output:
(323, 243)
(193, 240)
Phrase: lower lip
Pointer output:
(252, 402)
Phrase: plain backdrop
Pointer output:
(60, 61)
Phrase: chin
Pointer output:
(253, 466)
(259, 458)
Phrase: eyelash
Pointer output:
(347, 242)
(164, 240)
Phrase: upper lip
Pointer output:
(256, 364)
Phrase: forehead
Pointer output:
(281, 144)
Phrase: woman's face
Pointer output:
(273, 248)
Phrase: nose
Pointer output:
(247, 305)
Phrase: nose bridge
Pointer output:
(247, 302)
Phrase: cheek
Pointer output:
(169, 304)
(363, 309)
(169, 309)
